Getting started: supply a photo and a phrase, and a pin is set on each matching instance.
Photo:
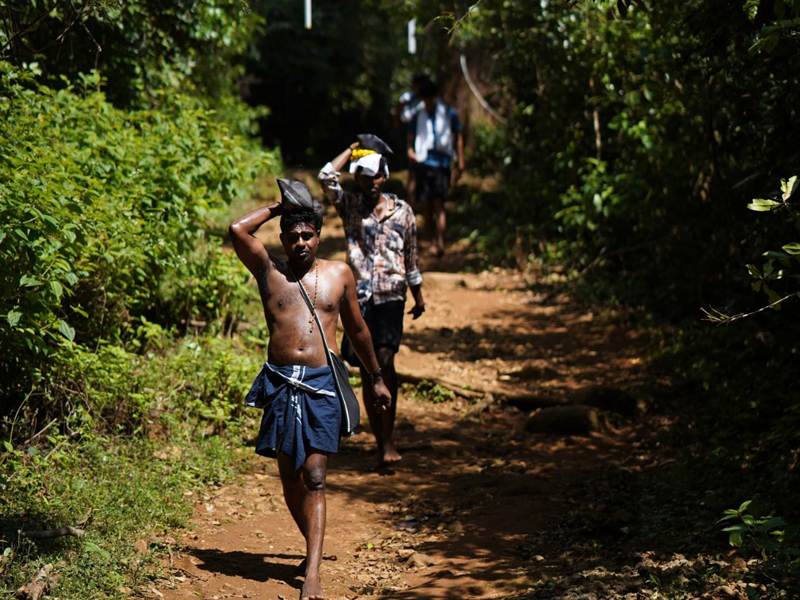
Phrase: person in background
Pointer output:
(435, 142)
(381, 237)
(409, 102)
(407, 107)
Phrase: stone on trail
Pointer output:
(576, 419)
(456, 527)
(420, 561)
(606, 397)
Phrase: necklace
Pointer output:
(314, 303)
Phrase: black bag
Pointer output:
(351, 411)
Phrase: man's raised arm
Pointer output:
(329, 174)
(249, 249)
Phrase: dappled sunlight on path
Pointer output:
(459, 516)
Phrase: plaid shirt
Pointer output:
(382, 252)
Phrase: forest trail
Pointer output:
(460, 516)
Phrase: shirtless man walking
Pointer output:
(302, 413)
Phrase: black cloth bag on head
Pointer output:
(370, 141)
(295, 195)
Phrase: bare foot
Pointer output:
(390, 455)
(312, 588)
(384, 465)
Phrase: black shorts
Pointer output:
(385, 323)
(432, 183)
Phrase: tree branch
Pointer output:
(28, 29)
(720, 318)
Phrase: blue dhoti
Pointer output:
(301, 411)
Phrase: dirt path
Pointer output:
(457, 518)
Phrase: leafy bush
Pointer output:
(103, 217)
(147, 47)
(428, 391)
(777, 541)
(164, 387)
(636, 130)
(780, 263)
(138, 436)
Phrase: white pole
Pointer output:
(412, 36)
(308, 14)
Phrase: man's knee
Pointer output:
(385, 357)
(314, 477)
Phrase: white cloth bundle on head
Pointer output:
(369, 165)
(433, 134)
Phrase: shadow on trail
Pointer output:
(473, 343)
(478, 496)
(501, 520)
(515, 515)
(530, 350)
(256, 566)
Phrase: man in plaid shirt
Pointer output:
(382, 251)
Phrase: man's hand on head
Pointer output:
(383, 399)
(417, 311)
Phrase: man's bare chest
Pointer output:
(283, 298)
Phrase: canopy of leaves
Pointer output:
(326, 84)
(141, 46)
(640, 130)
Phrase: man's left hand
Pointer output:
(417, 311)
(383, 399)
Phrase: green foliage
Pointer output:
(171, 388)
(776, 540)
(103, 217)
(488, 151)
(428, 391)
(139, 438)
(210, 290)
(636, 130)
(778, 267)
(142, 46)
(339, 72)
